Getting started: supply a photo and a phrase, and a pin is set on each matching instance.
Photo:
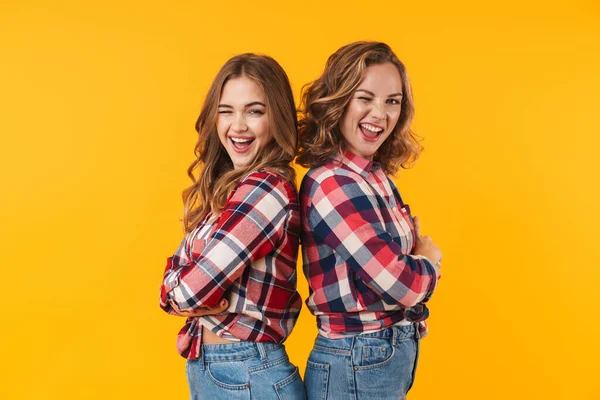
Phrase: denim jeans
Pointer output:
(244, 370)
(374, 366)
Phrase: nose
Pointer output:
(239, 124)
(378, 111)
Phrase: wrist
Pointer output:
(430, 260)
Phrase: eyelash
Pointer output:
(389, 101)
(252, 112)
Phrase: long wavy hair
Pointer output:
(213, 166)
(325, 100)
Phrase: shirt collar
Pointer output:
(358, 164)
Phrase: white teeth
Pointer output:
(371, 128)
(239, 140)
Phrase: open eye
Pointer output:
(393, 101)
(255, 111)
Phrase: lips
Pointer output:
(370, 132)
(241, 144)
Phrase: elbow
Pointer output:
(414, 297)
(410, 301)
(423, 284)
(422, 293)
(180, 302)
(186, 291)
(418, 291)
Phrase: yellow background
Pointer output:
(98, 102)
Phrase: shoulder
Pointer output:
(331, 172)
(392, 183)
(329, 176)
(265, 185)
(329, 179)
(395, 190)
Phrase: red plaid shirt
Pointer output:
(248, 255)
(357, 241)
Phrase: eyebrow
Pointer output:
(399, 94)
(254, 103)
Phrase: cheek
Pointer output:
(260, 127)
(354, 113)
(346, 125)
(393, 117)
(222, 126)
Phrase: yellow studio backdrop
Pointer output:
(97, 106)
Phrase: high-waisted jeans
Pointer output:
(379, 365)
(244, 370)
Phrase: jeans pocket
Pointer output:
(291, 388)
(373, 352)
(389, 379)
(231, 376)
(316, 380)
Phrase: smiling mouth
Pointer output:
(241, 145)
(370, 132)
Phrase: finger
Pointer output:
(200, 313)
(184, 313)
(417, 227)
(223, 305)
(219, 308)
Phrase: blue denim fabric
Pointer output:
(374, 366)
(244, 370)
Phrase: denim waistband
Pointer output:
(237, 351)
(344, 345)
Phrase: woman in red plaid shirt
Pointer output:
(369, 270)
(234, 275)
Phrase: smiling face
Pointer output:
(373, 110)
(242, 123)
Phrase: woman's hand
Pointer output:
(424, 246)
(222, 306)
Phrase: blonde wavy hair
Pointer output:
(324, 102)
(216, 175)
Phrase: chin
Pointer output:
(242, 163)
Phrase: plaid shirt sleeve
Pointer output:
(249, 227)
(179, 258)
(343, 214)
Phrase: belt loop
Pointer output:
(394, 335)
(201, 358)
(417, 333)
(261, 351)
